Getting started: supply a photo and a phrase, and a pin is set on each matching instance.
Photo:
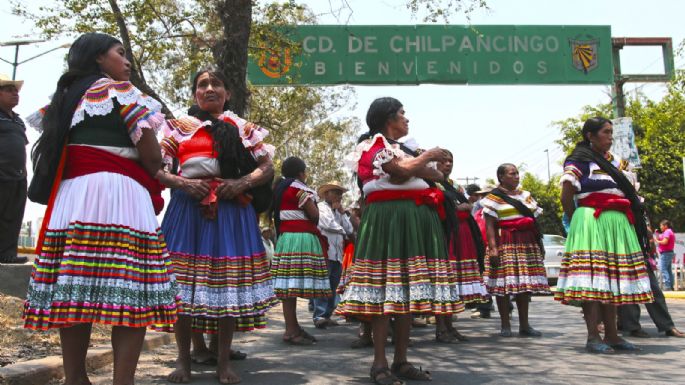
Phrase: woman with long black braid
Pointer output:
(603, 266)
(466, 252)
(211, 225)
(100, 256)
(299, 265)
(401, 264)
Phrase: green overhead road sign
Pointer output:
(447, 54)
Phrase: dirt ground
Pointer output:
(18, 344)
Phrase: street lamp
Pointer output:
(549, 178)
(17, 43)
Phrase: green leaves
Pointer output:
(547, 195)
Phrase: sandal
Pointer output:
(304, 334)
(299, 339)
(460, 337)
(598, 347)
(237, 355)
(362, 343)
(445, 337)
(383, 376)
(408, 371)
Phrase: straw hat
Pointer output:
(333, 185)
(6, 81)
(486, 189)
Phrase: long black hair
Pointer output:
(380, 111)
(82, 71)
(234, 159)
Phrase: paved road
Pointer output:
(556, 358)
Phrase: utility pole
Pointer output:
(549, 177)
(16, 44)
(468, 179)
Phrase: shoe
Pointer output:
(481, 314)
(321, 323)
(460, 337)
(360, 342)
(529, 332)
(505, 333)
(331, 322)
(639, 333)
(625, 346)
(598, 347)
(14, 259)
(419, 322)
(675, 333)
(445, 337)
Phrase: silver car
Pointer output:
(554, 251)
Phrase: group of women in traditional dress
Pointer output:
(103, 258)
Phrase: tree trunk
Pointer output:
(230, 53)
(137, 77)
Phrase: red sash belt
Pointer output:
(298, 226)
(304, 226)
(463, 215)
(518, 224)
(85, 160)
(602, 201)
(432, 197)
(209, 205)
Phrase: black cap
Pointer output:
(472, 189)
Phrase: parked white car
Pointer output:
(554, 251)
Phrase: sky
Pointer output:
(483, 126)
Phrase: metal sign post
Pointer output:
(617, 43)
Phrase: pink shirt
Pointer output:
(671, 241)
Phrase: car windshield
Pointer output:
(553, 240)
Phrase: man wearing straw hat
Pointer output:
(335, 225)
(13, 143)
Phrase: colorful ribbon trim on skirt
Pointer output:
(84, 160)
(432, 197)
(602, 202)
(304, 226)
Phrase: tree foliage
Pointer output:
(659, 130)
(437, 10)
(547, 196)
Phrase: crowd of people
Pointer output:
(415, 244)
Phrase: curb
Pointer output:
(41, 371)
(675, 294)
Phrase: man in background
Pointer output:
(13, 143)
(335, 226)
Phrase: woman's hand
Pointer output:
(436, 154)
(196, 188)
(464, 207)
(231, 188)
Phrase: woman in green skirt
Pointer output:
(401, 260)
(603, 266)
(298, 267)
